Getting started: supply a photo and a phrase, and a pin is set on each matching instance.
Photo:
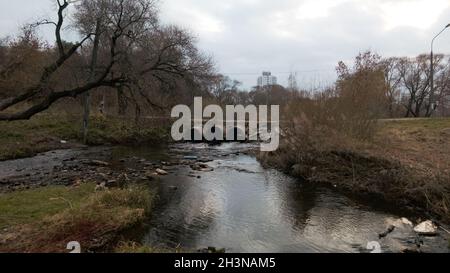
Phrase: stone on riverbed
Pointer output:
(201, 167)
(401, 227)
(405, 221)
(161, 172)
(99, 163)
(204, 160)
(411, 250)
(211, 250)
(152, 176)
(427, 228)
(101, 187)
(389, 230)
(402, 223)
(112, 183)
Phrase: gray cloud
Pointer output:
(249, 36)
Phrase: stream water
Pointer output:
(242, 207)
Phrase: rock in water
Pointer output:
(410, 250)
(152, 176)
(426, 228)
(405, 221)
(212, 250)
(101, 187)
(202, 167)
(161, 172)
(390, 229)
(99, 163)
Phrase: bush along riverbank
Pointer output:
(406, 164)
(47, 132)
(45, 220)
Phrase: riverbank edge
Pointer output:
(364, 177)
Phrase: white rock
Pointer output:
(405, 221)
(426, 228)
(161, 172)
(101, 187)
(99, 163)
(401, 223)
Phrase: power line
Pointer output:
(279, 73)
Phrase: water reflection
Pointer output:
(239, 206)
(243, 208)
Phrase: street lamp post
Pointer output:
(432, 102)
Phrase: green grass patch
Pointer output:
(45, 220)
(44, 133)
(29, 206)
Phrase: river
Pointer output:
(238, 205)
(242, 207)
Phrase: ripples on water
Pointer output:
(244, 208)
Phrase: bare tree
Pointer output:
(21, 59)
(126, 50)
(415, 75)
(442, 88)
(43, 87)
(361, 94)
(225, 89)
(393, 83)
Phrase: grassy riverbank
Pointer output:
(49, 132)
(407, 163)
(46, 219)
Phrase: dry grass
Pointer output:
(95, 221)
(133, 247)
(422, 144)
(406, 162)
(423, 147)
(130, 247)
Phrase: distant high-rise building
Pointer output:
(267, 80)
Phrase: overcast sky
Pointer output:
(309, 37)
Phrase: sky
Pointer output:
(304, 37)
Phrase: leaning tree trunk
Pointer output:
(87, 95)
